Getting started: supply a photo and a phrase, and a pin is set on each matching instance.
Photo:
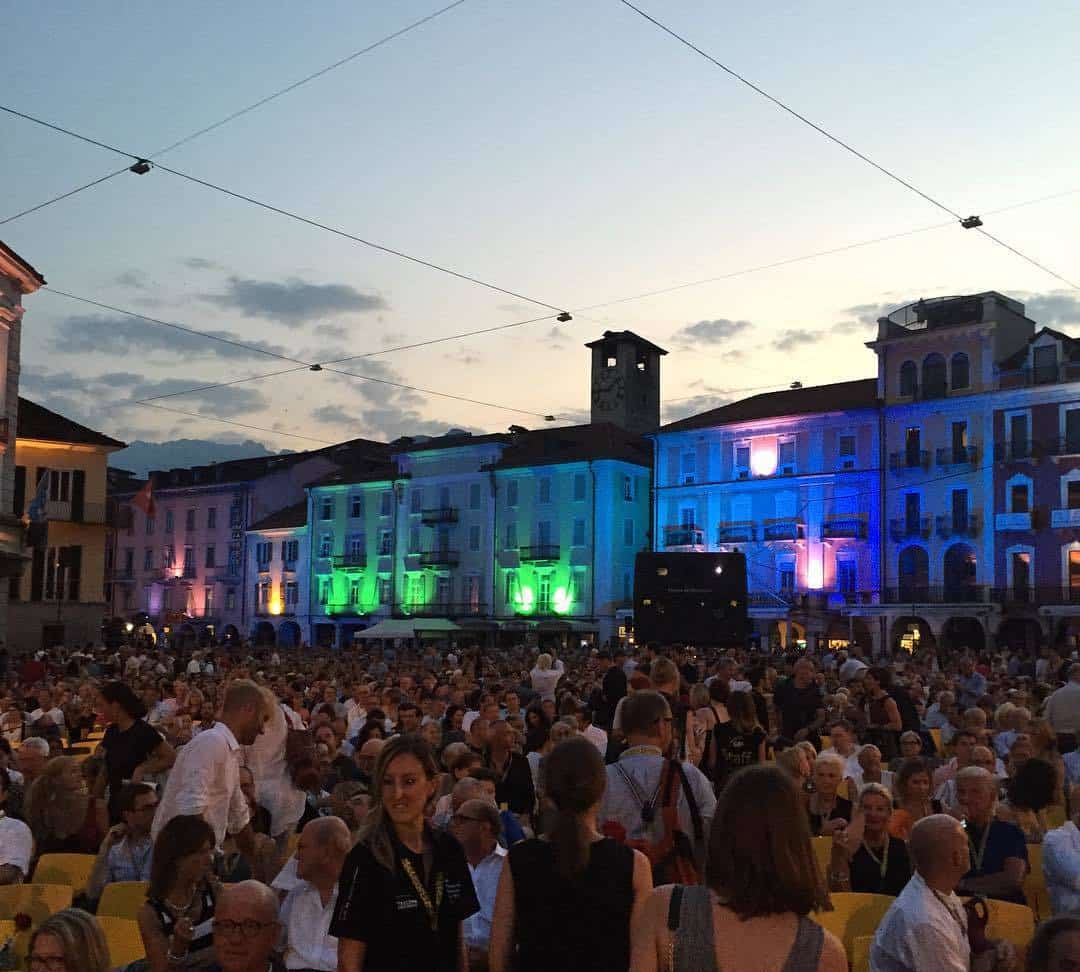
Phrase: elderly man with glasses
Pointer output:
(476, 826)
(246, 929)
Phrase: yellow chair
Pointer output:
(1055, 816)
(860, 953)
(935, 734)
(1038, 898)
(123, 939)
(71, 869)
(36, 900)
(1013, 922)
(826, 743)
(122, 899)
(7, 929)
(823, 852)
(853, 916)
(291, 844)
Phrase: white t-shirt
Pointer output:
(16, 844)
(56, 717)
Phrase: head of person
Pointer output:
(760, 859)
(367, 754)
(976, 792)
(468, 789)
(828, 772)
(741, 709)
(488, 780)
(70, 940)
(795, 763)
(501, 736)
(479, 732)
(1034, 785)
(245, 710)
(842, 736)
(964, 742)
(870, 762)
(56, 800)
(464, 763)
(940, 851)
(875, 801)
(433, 733)
(584, 716)
(913, 781)
(646, 720)
(803, 672)
(409, 717)
(136, 804)
(910, 745)
(878, 679)
(665, 676)
(404, 781)
(350, 802)
(31, 757)
(246, 927)
(1020, 752)
(573, 778)
(183, 853)
(984, 758)
(1056, 945)
(543, 661)
(321, 851)
(476, 826)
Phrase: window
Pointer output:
(785, 457)
(442, 589)
(59, 485)
(211, 518)
(189, 520)
(189, 562)
(234, 558)
(148, 559)
(324, 591)
(357, 546)
(543, 533)
(264, 553)
(236, 515)
(416, 500)
(474, 537)
(543, 593)
(210, 560)
(354, 591)
(912, 513)
(168, 557)
(742, 461)
(208, 601)
(1019, 498)
(444, 498)
(511, 492)
(1073, 494)
(688, 517)
(628, 533)
(543, 489)
(290, 553)
(1019, 445)
(356, 505)
(579, 487)
(909, 379)
(1021, 575)
(230, 599)
(511, 535)
(579, 533)
(262, 593)
(786, 577)
(960, 510)
(628, 488)
(474, 496)
(1044, 364)
(913, 447)
(688, 466)
(414, 540)
(510, 586)
(383, 588)
(386, 542)
(386, 502)
(292, 594)
(1071, 444)
(471, 592)
(326, 545)
(961, 371)
(847, 578)
(934, 378)
(578, 588)
(846, 451)
(129, 561)
(326, 508)
(959, 442)
(168, 521)
(414, 589)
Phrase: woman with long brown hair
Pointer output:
(63, 815)
(565, 901)
(405, 888)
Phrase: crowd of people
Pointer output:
(457, 811)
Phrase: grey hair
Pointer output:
(41, 746)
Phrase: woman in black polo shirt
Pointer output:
(405, 888)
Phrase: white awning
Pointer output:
(407, 628)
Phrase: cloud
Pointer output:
(337, 331)
(795, 337)
(142, 455)
(692, 406)
(1056, 308)
(132, 279)
(295, 301)
(334, 415)
(710, 332)
(556, 337)
(463, 356)
(201, 263)
(862, 318)
(126, 335)
(225, 401)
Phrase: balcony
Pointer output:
(541, 553)
(959, 456)
(1040, 375)
(446, 610)
(909, 460)
(1064, 518)
(683, 536)
(786, 528)
(119, 575)
(736, 531)
(909, 527)
(1068, 446)
(350, 561)
(1017, 450)
(1012, 521)
(64, 511)
(441, 558)
(957, 526)
(917, 593)
(225, 575)
(439, 514)
(849, 526)
(1035, 596)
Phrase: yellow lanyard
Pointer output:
(977, 858)
(883, 861)
(431, 908)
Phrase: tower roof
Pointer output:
(629, 336)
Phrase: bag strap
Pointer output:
(674, 769)
(674, 911)
(642, 800)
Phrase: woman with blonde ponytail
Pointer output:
(565, 901)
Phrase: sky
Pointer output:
(565, 150)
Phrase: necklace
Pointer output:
(883, 861)
(977, 857)
(431, 907)
(643, 750)
(176, 910)
(947, 904)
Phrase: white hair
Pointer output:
(41, 746)
(543, 662)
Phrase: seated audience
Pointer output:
(999, 857)
(69, 941)
(125, 851)
(1061, 861)
(246, 929)
(1028, 794)
(476, 825)
(828, 811)
(16, 841)
(63, 816)
(865, 857)
(1056, 946)
(913, 800)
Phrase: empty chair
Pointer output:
(70, 869)
(823, 852)
(854, 916)
(36, 900)
(123, 938)
(860, 953)
(1013, 922)
(122, 899)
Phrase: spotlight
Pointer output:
(315, 367)
(564, 317)
(140, 168)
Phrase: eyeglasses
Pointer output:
(146, 806)
(458, 817)
(247, 929)
(46, 963)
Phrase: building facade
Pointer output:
(277, 558)
(60, 598)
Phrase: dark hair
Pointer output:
(743, 712)
(760, 858)
(719, 690)
(122, 694)
(642, 711)
(882, 675)
(129, 793)
(465, 760)
(180, 837)
(536, 738)
(843, 724)
(909, 768)
(1038, 953)
(5, 780)
(965, 732)
(574, 780)
(368, 731)
(484, 773)
(1033, 786)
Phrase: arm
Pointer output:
(463, 949)
(501, 946)
(1006, 882)
(648, 933)
(1061, 865)
(99, 876)
(761, 754)
(642, 887)
(154, 941)
(350, 955)
(892, 713)
(160, 760)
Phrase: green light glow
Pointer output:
(561, 601)
(525, 600)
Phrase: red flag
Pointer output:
(144, 499)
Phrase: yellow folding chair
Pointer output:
(7, 929)
(122, 899)
(1038, 898)
(860, 953)
(1013, 922)
(291, 844)
(71, 869)
(826, 742)
(935, 734)
(854, 915)
(36, 900)
(823, 852)
(1055, 816)
(123, 940)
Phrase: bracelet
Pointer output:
(176, 959)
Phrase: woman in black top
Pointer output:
(739, 742)
(132, 747)
(865, 857)
(565, 901)
(405, 888)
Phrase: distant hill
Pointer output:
(140, 457)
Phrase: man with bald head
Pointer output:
(309, 906)
(246, 929)
(926, 926)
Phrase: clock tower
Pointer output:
(626, 381)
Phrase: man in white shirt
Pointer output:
(205, 779)
(476, 826)
(46, 713)
(1063, 707)
(1061, 862)
(594, 734)
(842, 737)
(274, 787)
(926, 926)
(16, 842)
(309, 906)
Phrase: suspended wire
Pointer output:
(254, 105)
(218, 418)
(1031, 260)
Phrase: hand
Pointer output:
(115, 835)
(137, 774)
(181, 936)
(854, 830)
(829, 828)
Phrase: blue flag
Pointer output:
(36, 511)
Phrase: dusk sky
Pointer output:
(567, 150)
